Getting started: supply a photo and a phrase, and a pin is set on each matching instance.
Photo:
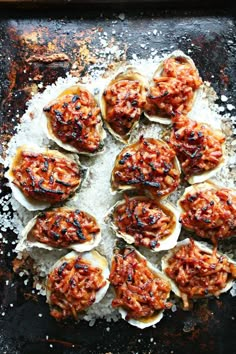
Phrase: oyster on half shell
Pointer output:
(209, 211)
(141, 290)
(40, 177)
(199, 147)
(145, 222)
(66, 292)
(148, 165)
(122, 102)
(197, 271)
(74, 122)
(173, 88)
(61, 228)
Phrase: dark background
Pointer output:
(208, 29)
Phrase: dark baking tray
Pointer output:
(210, 33)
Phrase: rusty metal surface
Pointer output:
(37, 48)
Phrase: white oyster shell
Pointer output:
(204, 247)
(145, 322)
(207, 174)
(96, 260)
(164, 244)
(121, 188)
(26, 242)
(30, 203)
(125, 73)
(177, 53)
(49, 132)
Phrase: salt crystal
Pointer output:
(230, 107)
(121, 16)
(40, 315)
(223, 98)
(173, 308)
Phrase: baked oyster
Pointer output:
(74, 122)
(122, 102)
(145, 222)
(62, 228)
(76, 282)
(173, 88)
(41, 177)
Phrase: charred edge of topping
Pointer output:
(79, 231)
(61, 268)
(66, 184)
(124, 158)
(81, 266)
(46, 190)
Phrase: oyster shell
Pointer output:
(43, 166)
(215, 261)
(127, 100)
(209, 211)
(151, 278)
(155, 225)
(61, 228)
(74, 122)
(148, 164)
(65, 302)
(199, 147)
(188, 88)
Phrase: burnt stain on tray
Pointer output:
(34, 52)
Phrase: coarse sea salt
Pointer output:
(94, 196)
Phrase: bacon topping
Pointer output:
(73, 286)
(174, 90)
(145, 220)
(198, 147)
(182, 70)
(124, 104)
(168, 96)
(45, 177)
(197, 273)
(148, 164)
(210, 213)
(62, 228)
(74, 119)
(138, 290)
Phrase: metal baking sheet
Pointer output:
(28, 41)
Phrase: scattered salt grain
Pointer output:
(230, 107)
(121, 16)
(223, 98)
(40, 315)
(233, 292)
(173, 308)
